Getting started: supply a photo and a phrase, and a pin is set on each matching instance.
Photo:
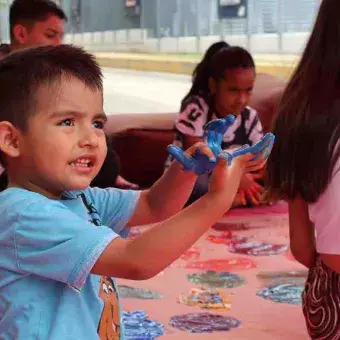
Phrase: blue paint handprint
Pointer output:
(213, 133)
(200, 163)
(261, 149)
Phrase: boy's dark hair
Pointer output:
(24, 72)
(307, 126)
(219, 58)
(28, 12)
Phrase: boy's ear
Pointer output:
(212, 85)
(20, 33)
(9, 139)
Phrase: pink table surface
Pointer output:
(260, 318)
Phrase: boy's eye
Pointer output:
(98, 124)
(50, 35)
(67, 122)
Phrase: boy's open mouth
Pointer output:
(83, 162)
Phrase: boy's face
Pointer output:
(234, 91)
(64, 147)
(46, 32)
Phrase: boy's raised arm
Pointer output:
(154, 250)
(169, 194)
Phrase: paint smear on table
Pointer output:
(203, 322)
(256, 248)
(127, 292)
(206, 299)
(226, 237)
(297, 277)
(222, 265)
(228, 226)
(212, 279)
(284, 293)
(137, 326)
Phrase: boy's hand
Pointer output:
(199, 159)
(201, 148)
(253, 166)
(226, 177)
(261, 150)
(214, 132)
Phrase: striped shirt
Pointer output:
(195, 113)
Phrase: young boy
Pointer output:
(40, 23)
(61, 241)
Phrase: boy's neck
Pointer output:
(31, 186)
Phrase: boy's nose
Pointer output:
(88, 139)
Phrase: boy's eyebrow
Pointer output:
(52, 30)
(60, 114)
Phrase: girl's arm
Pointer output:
(302, 233)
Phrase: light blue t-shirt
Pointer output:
(48, 248)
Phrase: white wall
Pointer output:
(136, 41)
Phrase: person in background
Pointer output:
(303, 169)
(222, 84)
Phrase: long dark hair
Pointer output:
(307, 126)
(201, 73)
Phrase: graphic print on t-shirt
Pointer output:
(109, 323)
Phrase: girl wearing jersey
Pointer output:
(222, 84)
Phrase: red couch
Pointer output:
(141, 140)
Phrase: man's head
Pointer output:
(51, 122)
(36, 22)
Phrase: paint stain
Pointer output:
(137, 326)
(284, 293)
(280, 208)
(225, 238)
(193, 253)
(203, 323)
(227, 226)
(257, 248)
(206, 299)
(274, 222)
(128, 292)
(222, 265)
(297, 277)
(212, 279)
